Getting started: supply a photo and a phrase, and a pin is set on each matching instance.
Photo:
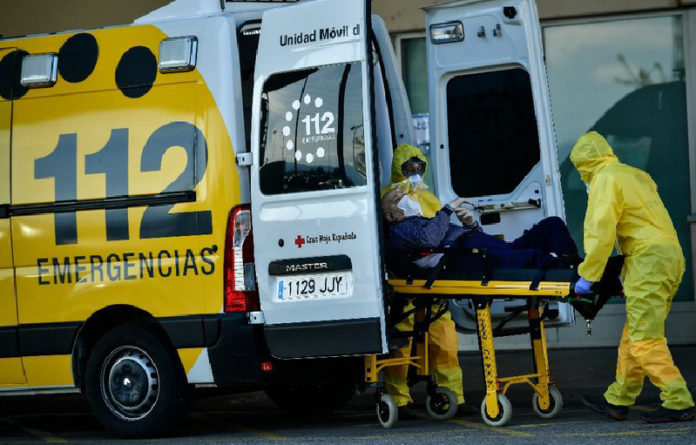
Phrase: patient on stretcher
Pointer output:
(545, 245)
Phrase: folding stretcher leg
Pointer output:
(496, 409)
(547, 400)
(441, 402)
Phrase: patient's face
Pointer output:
(392, 213)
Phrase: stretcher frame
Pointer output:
(547, 399)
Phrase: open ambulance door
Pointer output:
(492, 134)
(314, 183)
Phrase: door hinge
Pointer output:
(245, 159)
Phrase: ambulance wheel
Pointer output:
(555, 405)
(504, 412)
(387, 411)
(134, 382)
(442, 404)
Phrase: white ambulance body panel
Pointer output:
(313, 182)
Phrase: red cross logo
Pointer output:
(299, 241)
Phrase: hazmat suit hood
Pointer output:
(427, 201)
(590, 153)
(403, 153)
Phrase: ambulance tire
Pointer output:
(308, 399)
(134, 382)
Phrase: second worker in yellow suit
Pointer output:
(408, 167)
(624, 207)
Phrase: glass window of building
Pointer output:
(624, 78)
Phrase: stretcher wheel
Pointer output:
(387, 411)
(442, 404)
(504, 412)
(555, 406)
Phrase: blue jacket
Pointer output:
(417, 232)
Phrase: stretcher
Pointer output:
(430, 296)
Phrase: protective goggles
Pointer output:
(413, 166)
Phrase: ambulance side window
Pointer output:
(493, 138)
(248, 43)
(312, 130)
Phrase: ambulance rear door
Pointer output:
(492, 134)
(314, 187)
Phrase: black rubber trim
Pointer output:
(236, 356)
(319, 264)
(9, 346)
(47, 338)
(4, 211)
(192, 331)
(324, 339)
(211, 328)
(118, 202)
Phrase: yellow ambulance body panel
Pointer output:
(122, 183)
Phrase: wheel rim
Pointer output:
(383, 411)
(552, 405)
(130, 383)
(440, 403)
(498, 417)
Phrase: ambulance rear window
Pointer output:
(312, 130)
(493, 139)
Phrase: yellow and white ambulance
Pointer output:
(136, 160)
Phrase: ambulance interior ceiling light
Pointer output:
(39, 70)
(447, 32)
(251, 29)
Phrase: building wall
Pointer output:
(406, 15)
(42, 16)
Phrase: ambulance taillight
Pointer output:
(240, 280)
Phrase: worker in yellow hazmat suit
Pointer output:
(624, 208)
(408, 168)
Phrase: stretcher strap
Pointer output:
(534, 285)
(432, 276)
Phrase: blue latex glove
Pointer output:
(583, 286)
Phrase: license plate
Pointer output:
(304, 287)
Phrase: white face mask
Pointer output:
(415, 179)
(409, 206)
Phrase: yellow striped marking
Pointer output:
(646, 409)
(262, 434)
(626, 433)
(483, 426)
(254, 432)
(535, 425)
(34, 432)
